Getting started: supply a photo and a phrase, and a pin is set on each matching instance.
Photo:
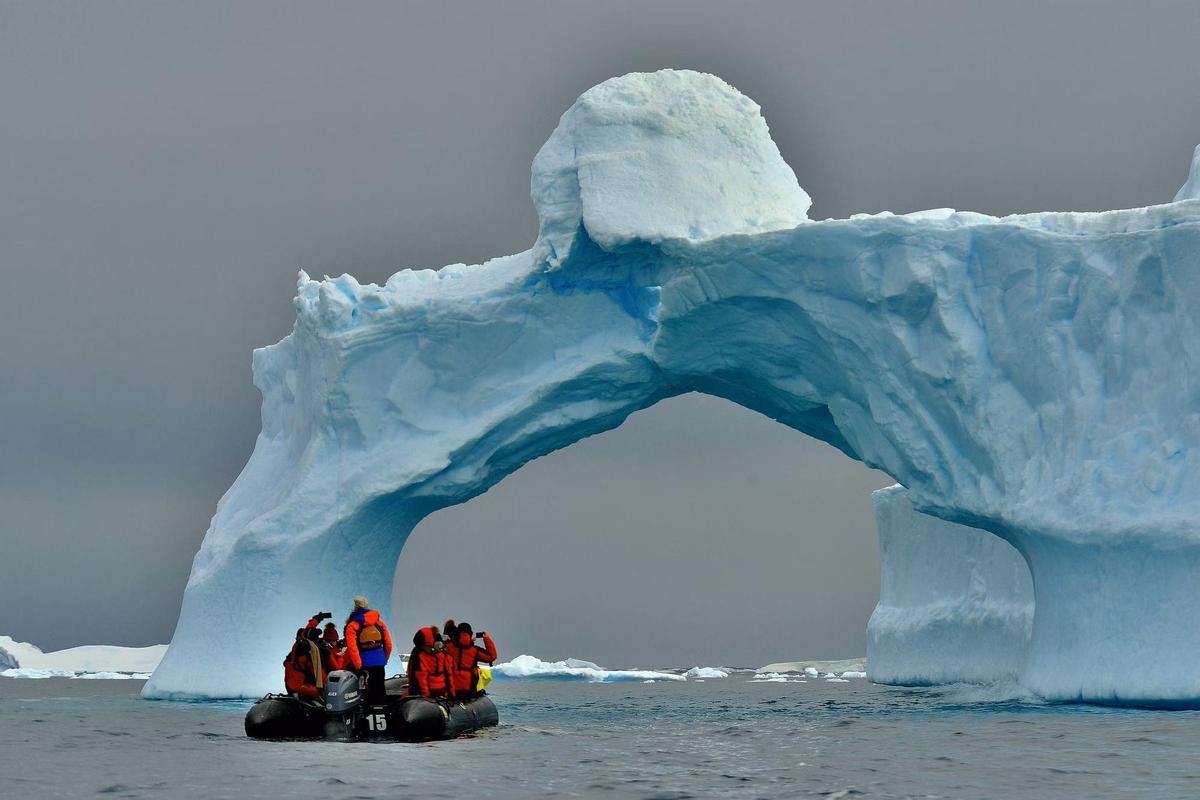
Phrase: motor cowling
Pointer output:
(342, 693)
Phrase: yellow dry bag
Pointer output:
(485, 677)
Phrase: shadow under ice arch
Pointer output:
(1019, 374)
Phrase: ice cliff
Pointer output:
(1028, 375)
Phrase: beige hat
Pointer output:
(361, 602)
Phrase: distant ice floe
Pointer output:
(94, 662)
(802, 672)
(526, 667)
(797, 671)
(17, 672)
(706, 672)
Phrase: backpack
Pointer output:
(370, 637)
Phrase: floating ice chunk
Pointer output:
(775, 677)
(25, 672)
(706, 672)
(811, 672)
(817, 666)
(112, 676)
(528, 667)
(854, 674)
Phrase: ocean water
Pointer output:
(718, 738)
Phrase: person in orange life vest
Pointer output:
(428, 670)
(336, 656)
(368, 648)
(303, 672)
(464, 657)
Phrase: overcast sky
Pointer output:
(166, 168)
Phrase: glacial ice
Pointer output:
(955, 603)
(706, 672)
(24, 660)
(1028, 375)
(1191, 189)
(815, 667)
(530, 667)
(71, 673)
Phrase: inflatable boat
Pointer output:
(344, 716)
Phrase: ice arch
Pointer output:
(1029, 375)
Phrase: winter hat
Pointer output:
(449, 628)
(465, 627)
(331, 632)
(425, 637)
(361, 602)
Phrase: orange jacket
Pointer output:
(354, 658)
(464, 657)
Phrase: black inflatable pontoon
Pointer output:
(343, 716)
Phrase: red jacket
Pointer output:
(428, 669)
(353, 657)
(336, 659)
(299, 675)
(464, 657)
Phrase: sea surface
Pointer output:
(717, 738)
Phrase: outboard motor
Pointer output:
(343, 704)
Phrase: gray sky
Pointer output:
(166, 169)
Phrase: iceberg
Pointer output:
(955, 603)
(1025, 375)
(24, 660)
(532, 668)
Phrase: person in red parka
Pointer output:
(428, 669)
(303, 672)
(464, 657)
(335, 653)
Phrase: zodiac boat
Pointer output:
(344, 716)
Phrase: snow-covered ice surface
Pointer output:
(530, 667)
(706, 672)
(1027, 375)
(955, 603)
(24, 660)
